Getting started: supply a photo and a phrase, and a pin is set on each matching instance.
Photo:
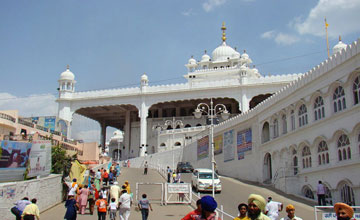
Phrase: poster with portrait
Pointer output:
(203, 148)
(244, 142)
(229, 149)
(218, 144)
(14, 155)
(50, 122)
(40, 158)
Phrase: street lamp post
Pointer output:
(118, 151)
(212, 112)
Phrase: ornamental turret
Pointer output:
(66, 83)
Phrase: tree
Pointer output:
(61, 163)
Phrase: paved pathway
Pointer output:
(133, 175)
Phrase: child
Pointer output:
(112, 209)
(144, 206)
(101, 204)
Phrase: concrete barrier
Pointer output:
(46, 190)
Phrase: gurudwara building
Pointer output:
(289, 131)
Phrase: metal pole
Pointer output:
(118, 151)
(212, 146)
(173, 142)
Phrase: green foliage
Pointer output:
(61, 163)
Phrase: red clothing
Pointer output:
(101, 204)
(193, 215)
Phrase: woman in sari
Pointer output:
(84, 193)
(70, 206)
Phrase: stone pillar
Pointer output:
(127, 131)
(143, 114)
(103, 134)
(244, 102)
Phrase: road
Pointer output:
(235, 192)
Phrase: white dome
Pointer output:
(243, 68)
(144, 77)
(236, 55)
(67, 75)
(223, 52)
(339, 46)
(205, 58)
(245, 55)
(192, 61)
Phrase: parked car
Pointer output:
(184, 167)
(201, 180)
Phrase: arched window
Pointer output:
(319, 109)
(356, 90)
(303, 119)
(162, 145)
(295, 164)
(284, 124)
(306, 157)
(328, 196)
(339, 99)
(344, 150)
(276, 128)
(187, 126)
(265, 132)
(347, 195)
(198, 125)
(292, 117)
(308, 192)
(323, 154)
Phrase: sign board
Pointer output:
(332, 216)
(203, 148)
(40, 158)
(180, 193)
(229, 150)
(178, 188)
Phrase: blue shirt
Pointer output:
(144, 203)
(21, 204)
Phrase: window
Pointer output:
(265, 132)
(344, 150)
(356, 90)
(276, 128)
(347, 195)
(303, 120)
(292, 116)
(284, 124)
(323, 155)
(319, 110)
(306, 157)
(308, 193)
(339, 99)
(295, 164)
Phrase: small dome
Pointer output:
(339, 46)
(67, 75)
(144, 77)
(245, 55)
(205, 57)
(243, 68)
(192, 60)
(223, 52)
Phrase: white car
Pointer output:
(201, 180)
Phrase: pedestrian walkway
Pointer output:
(132, 175)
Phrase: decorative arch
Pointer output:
(265, 132)
(258, 99)
(187, 126)
(308, 192)
(345, 187)
(177, 144)
(267, 167)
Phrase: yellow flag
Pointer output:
(77, 171)
(326, 24)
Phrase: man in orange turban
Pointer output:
(290, 209)
(343, 211)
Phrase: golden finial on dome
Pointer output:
(339, 37)
(205, 51)
(67, 67)
(223, 28)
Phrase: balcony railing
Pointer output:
(39, 127)
(7, 117)
(26, 123)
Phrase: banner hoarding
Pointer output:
(229, 149)
(203, 148)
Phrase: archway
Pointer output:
(265, 134)
(257, 99)
(267, 167)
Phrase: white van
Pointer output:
(201, 180)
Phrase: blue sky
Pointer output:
(112, 43)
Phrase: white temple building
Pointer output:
(288, 131)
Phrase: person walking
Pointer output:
(91, 198)
(19, 207)
(343, 211)
(102, 207)
(97, 180)
(144, 205)
(71, 206)
(73, 188)
(321, 194)
(195, 214)
(111, 177)
(115, 191)
(145, 168)
(256, 205)
(273, 208)
(104, 193)
(169, 172)
(31, 211)
(84, 194)
(113, 208)
(105, 177)
(127, 185)
(243, 209)
(290, 209)
(208, 207)
(124, 204)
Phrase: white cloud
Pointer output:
(342, 16)
(211, 4)
(268, 35)
(188, 12)
(280, 38)
(39, 105)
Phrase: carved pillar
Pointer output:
(127, 131)
(143, 114)
(103, 134)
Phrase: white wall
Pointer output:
(47, 191)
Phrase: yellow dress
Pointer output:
(245, 218)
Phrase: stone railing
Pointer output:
(26, 123)
(7, 117)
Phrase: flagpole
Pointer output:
(327, 39)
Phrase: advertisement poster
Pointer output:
(62, 127)
(203, 148)
(50, 123)
(40, 158)
(244, 143)
(218, 144)
(14, 155)
(229, 149)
